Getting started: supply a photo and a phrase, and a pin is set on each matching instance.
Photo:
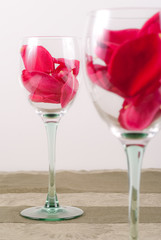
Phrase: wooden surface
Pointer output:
(103, 195)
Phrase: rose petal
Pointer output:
(136, 64)
(41, 83)
(105, 51)
(70, 64)
(110, 41)
(37, 58)
(61, 73)
(138, 114)
(153, 25)
(118, 36)
(47, 98)
(97, 74)
(69, 90)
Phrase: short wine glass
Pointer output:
(122, 62)
(49, 73)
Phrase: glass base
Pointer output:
(52, 214)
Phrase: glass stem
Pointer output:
(134, 159)
(51, 129)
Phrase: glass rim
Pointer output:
(121, 9)
(125, 8)
(50, 37)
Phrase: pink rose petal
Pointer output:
(61, 73)
(98, 74)
(47, 98)
(136, 64)
(105, 51)
(48, 79)
(153, 25)
(41, 83)
(118, 36)
(69, 90)
(110, 41)
(70, 64)
(37, 58)
(138, 114)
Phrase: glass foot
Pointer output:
(52, 214)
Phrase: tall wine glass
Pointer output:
(122, 61)
(49, 74)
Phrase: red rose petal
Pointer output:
(153, 25)
(98, 74)
(41, 83)
(118, 36)
(139, 114)
(46, 82)
(105, 51)
(70, 64)
(136, 64)
(47, 98)
(69, 90)
(110, 41)
(61, 73)
(37, 58)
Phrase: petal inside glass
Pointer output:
(123, 65)
(49, 72)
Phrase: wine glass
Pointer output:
(49, 74)
(122, 62)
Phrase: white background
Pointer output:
(83, 139)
